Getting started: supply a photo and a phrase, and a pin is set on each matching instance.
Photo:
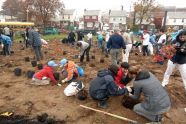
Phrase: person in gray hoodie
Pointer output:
(156, 101)
(85, 49)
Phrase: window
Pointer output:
(63, 17)
(68, 17)
(114, 19)
(121, 19)
(93, 17)
(86, 17)
(182, 20)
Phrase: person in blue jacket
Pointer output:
(7, 42)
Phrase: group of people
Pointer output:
(69, 70)
(113, 81)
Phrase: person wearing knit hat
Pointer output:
(45, 76)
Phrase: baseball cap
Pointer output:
(52, 64)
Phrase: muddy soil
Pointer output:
(18, 96)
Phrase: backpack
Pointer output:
(80, 71)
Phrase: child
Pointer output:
(70, 68)
(44, 76)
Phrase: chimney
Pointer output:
(121, 7)
(109, 11)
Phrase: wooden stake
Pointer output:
(110, 114)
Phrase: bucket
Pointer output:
(93, 57)
(102, 60)
(82, 95)
(34, 63)
(40, 66)
(30, 74)
(64, 52)
(27, 59)
(17, 71)
(56, 75)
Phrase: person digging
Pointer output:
(45, 76)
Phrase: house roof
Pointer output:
(177, 15)
(118, 13)
(68, 11)
(92, 12)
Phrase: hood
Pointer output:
(103, 73)
(47, 67)
(144, 74)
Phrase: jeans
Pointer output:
(87, 55)
(145, 50)
(149, 115)
(6, 49)
(37, 50)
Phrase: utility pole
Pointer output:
(165, 19)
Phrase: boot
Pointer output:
(103, 104)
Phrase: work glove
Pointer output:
(63, 81)
(129, 89)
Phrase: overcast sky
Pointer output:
(111, 4)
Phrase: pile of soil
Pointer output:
(24, 99)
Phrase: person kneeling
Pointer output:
(104, 86)
(44, 76)
(69, 71)
(156, 102)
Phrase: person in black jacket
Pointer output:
(104, 86)
(178, 60)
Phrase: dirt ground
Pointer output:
(19, 96)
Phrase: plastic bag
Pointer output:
(73, 88)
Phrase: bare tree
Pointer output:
(11, 7)
(144, 10)
(45, 9)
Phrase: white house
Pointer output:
(117, 19)
(176, 19)
(68, 17)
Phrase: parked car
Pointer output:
(86, 31)
(50, 30)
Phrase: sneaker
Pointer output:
(103, 104)
(59, 84)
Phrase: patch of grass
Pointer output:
(56, 36)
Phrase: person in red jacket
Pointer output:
(122, 78)
(44, 76)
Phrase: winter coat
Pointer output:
(104, 84)
(180, 56)
(47, 71)
(71, 69)
(34, 38)
(116, 42)
(156, 97)
(6, 40)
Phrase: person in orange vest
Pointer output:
(69, 70)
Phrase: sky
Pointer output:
(111, 4)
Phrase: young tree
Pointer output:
(144, 9)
